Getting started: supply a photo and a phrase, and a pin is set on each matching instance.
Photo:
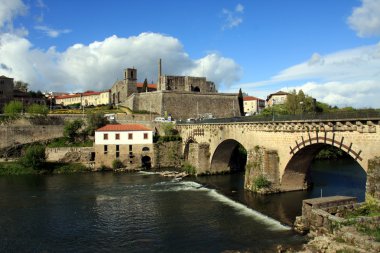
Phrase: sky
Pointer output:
(328, 48)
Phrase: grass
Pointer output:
(87, 110)
(63, 142)
(15, 168)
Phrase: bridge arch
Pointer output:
(187, 148)
(226, 157)
(297, 171)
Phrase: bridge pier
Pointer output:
(199, 157)
(261, 163)
(373, 178)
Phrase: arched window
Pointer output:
(145, 149)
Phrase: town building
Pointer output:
(88, 98)
(132, 144)
(277, 98)
(253, 105)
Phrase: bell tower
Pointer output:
(130, 79)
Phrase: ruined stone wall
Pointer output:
(69, 154)
(168, 155)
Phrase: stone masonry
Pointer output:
(289, 146)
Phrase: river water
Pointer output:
(143, 212)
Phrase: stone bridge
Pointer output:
(281, 151)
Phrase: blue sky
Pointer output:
(328, 48)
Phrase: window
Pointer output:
(105, 136)
(130, 147)
(130, 136)
(105, 149)
(145, 149)
(145, 136)
(117, 137)
(117, 151)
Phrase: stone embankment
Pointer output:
(324, 220)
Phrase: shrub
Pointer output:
(189, 169)
(117, 164)
(71, 130)
(13, 108)
(262, 182)
(37, 109)
(34, 157)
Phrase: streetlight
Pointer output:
(301, 103)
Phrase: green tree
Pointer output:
(13, 108)
(145, 86)
(20, 85)
(299, 103)
(241, 103)
(34, 157)
(95, 121)
(72, 130)
(37, 109)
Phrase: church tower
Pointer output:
(130, 79)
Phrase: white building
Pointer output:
(132, 144)
(253, 105)
(277, 98)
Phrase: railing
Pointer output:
(355, 115)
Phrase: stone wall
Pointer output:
(168, 155)
(14, 135)
(373, 178)
(183, 105)
(130, 155)
(70, 154)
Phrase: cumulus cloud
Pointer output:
(99, 64)
(233, 18)
(365, 20)
(362, 94)
(9, 9)
(53, 33)
(349, 77)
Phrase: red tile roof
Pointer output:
(123, 127)
(84, 94)
(249, 98)
(151, 86)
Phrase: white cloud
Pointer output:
(233, 18)
(98, 65)
(349, 77)
(365, 20)
(9, 9)
(361, 94)
(53, 33)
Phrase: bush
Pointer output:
(34, 157)
(262, 182)
(117, 164)
(13, 108)
(71, 130)
(189, 169)
(38, 109)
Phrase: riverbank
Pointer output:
(15, 168)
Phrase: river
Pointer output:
(143, 212)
